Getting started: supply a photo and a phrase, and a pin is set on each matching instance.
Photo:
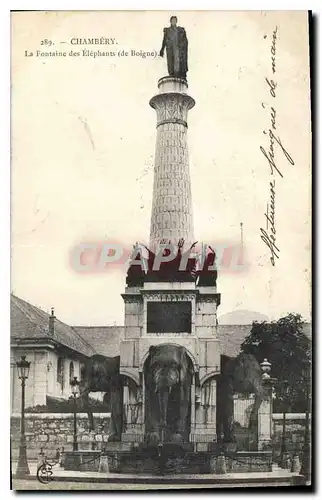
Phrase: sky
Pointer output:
(83, 144)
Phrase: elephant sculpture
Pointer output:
(238, 375)
(102, 374)
(168, 376)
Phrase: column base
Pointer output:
(22, 468)
(134, 434)
(264, 444)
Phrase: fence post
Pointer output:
(62, 457)
(103, 464)
(296, 466)
(221, 464)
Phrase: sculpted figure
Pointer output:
(168, 382)
(176, 43)
(238, 375)
(181, 268)
(102, 374)
(135, 273)
(207, 276)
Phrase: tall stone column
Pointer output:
(171, 206)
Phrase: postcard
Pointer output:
(161, 249)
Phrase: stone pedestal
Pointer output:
(265, 412)
(202, 347)
(265, 424)
(103, 464)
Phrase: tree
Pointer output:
(288, 349)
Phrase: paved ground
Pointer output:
(75, 480)
(30, 485)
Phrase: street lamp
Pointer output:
(23, 371)
(75, 384)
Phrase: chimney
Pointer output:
(52, 318)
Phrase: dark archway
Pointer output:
(168, 377)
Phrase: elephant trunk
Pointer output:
(165, 379)
(163, 403)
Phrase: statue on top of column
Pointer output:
(176, 42)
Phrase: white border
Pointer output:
(172, 6)
(166, 5)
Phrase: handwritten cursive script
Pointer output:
(275, 145)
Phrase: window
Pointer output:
(60, 372)
(82, 371)
(71, 371)
(169, 317)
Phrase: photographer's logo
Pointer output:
(45, 472)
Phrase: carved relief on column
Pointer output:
(171, 217)
(208, 400)
(133, 412)
(172, 108)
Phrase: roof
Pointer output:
(241, 317)
(104, 339)
(232, 336)
(29, 322)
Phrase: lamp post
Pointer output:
(285, 390)
(75, 383)
(23, 371)
(305, 468)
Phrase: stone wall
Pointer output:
(55, 430)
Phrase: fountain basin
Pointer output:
(173, 460)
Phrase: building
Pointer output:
(56, 352)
